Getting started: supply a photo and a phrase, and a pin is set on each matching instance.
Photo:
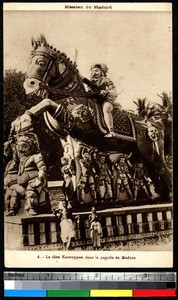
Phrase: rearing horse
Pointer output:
(69, 110)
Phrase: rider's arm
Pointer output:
(93, 86)
(110, 88)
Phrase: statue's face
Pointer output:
(102, 158)
(153, 133)
(96, 73)
(64, 203)
(23, 148)
(65, 169)
(140, 165)
(122, 160)
(86, 155)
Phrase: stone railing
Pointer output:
(118, 224)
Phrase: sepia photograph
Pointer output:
(88, 168)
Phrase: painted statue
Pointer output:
(13, 192)
(32, 174)
(87, 178)
(68, 110)
(142, 182)
(104, 178)
(107, 94)
(123, 178)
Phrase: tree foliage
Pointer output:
(142, 106)
(165, 109)
(158, 113)
(16, 102)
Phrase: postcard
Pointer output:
(88, 135)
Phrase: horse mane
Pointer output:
(63, 79)
(62, 56)
(52, 52)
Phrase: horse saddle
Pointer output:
(123, 124)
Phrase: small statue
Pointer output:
(87, 178)
(13, 192)
(103, 177)
(95, 229)
(32, 174)
(142, 182)
(123, 176)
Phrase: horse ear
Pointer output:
(61, 67)
(43, 40)
(34, 43)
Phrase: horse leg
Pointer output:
(43, 106)
(165, 175)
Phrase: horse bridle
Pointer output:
(42, 78)
(47, 69)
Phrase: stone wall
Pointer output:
(118, 224)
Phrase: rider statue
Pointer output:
(32, 174)
(99, 82)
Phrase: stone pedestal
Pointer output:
(43, 231)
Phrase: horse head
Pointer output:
(50, 71)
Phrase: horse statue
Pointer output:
(69, 110)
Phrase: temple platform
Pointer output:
(42, 232)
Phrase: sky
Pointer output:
(136, 46)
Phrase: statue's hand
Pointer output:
(20, 123)
(35, 184)
(103, 93)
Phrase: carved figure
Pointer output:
(95, 229)
(142, 182)
(123, 176)
(153, 134)
(13, 192)
(53, 76)
(104, 176)
(32, 174)
(87, 178)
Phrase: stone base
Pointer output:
(41, 231)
